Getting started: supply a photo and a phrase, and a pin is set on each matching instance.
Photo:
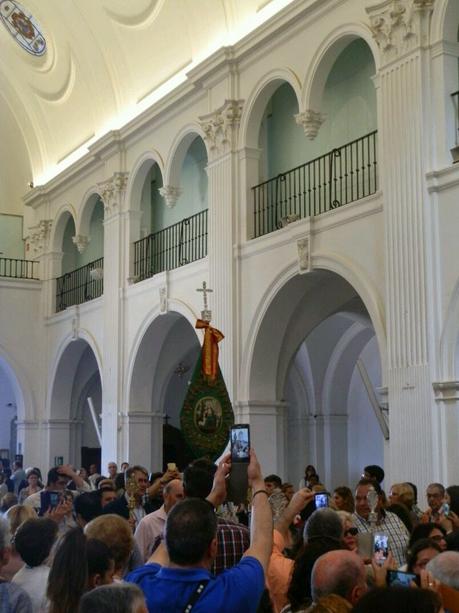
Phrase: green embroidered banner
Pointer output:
(207, 414)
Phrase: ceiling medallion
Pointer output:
(22, 26)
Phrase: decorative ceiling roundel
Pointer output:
(23, 27)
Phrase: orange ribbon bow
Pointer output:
(212, 337)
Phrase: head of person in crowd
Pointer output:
(5, 543)
(55, 481)
(34, 540)
(435, 495)
(323, 523)
(68, 577)
(116, 598)
(362, 506)
(124, 466)
(402, 493)
(350, 532)
(116, 533)
(339, 572)
(18, 514)
(309, 470)
(93, 469)
(112, 470)
(172, 493)
(140, 475)
(107, 493)
(272, 483)
(198, 478)
(17, 465)
(288, 490)
(33, 480)
(374, 473)
(445, 568)
(420, 554)
(343, 500)
(399, 600)
(452, 498)
(191, 533)
(87, 506)
(101, 565)
(402, 513)
(8, 501)
(452, 541)
(83, 473)
(119, 482)
(430, 530)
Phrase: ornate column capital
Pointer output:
(220, 127)
(398, 26)
(81, 242)
(170, 194)
(112, 191)
(311, 122)
(39, 235)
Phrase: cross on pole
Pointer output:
(206, 314)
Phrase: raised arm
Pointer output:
(299, 500)
(261, 528)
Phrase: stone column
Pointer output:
(220, 128)
(447, 396)
(29, 442)
(400, 27)
(112, 193)
(267, 432)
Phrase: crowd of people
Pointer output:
(132, 542)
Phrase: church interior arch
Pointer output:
(76, 378)
(11, 402)
(169, 348)
(316, 331)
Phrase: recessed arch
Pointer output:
(258, 99)
(138, 174)
(445, 21)
(24, 399)
(89, 202)
(326, 55)
(65, 212)
(178, 151)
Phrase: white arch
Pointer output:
(177, 306)
(448, 369)
(86, 208)
(326, 55)
(330, 261)
(258, 99)
(138, 174)
(25, 404)
(90, 340)
(58, 227)
(445, 21)
(178, 151)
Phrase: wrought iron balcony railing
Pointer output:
(339, 177)
(80, 285)
(18, 269)
(172, 247)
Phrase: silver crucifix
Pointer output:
(206, 313)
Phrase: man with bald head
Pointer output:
(151, 527)
(339, 572)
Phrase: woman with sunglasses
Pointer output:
(349, 531)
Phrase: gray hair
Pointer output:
(336, 572)
(323, 523)
(114, 598)
(445, 568)
(5, 535)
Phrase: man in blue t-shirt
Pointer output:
(178, 578)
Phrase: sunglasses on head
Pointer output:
(351, 532)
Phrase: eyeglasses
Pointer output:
(351, 532)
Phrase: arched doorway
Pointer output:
(162, 368)
(74, 427)
(316, 359)
(8, 416)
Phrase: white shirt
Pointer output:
(148, 529)
(34, 581)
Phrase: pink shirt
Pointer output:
(149, 528)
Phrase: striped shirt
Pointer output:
(393, 526)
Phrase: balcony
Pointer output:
(18, 269)
(339, 177)
(80, 285)
(172, 247)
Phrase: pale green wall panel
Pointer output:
(11, 243)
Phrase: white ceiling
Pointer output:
(103, 57)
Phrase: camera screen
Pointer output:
(321, 500)
(381, 547)
(399, 578)
(240, 444)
